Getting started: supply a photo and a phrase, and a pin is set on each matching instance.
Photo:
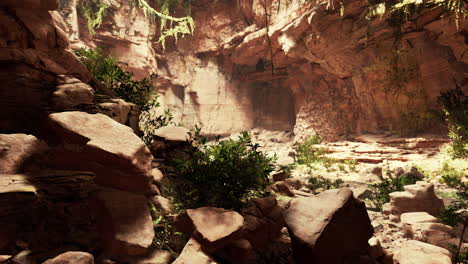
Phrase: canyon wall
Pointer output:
(337, 72)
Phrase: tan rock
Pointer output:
(125, 223)
(419, 197)
(163, 204)
(72, 257)
(375, 248)
(416, 252)
(172, 133)
(193, 253)
(328, 227)
(16, 150)
(97, 143)
(69, 95)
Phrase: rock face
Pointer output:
(332, 227)
(125, 222)
(193, 253)
(419, 197)
(331, 71)
(416, 252)
(96, 142)
(35, 50)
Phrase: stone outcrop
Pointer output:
(16, 150)
(331, 227)
(419, 197)
(416, 252)
(96, 142)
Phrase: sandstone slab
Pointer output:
(193, 253)
(16, 150)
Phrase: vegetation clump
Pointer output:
(454, 105)
(106, 72)
(380, 192)
(222, 174)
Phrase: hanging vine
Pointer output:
(176, 27)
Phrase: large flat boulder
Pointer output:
(328, 228)
(124, 221)
(118, 157)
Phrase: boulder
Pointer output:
(416, 252)
(118, 157)
(163, 204)
(425, 227)
(124, 221)
(375, 248)
(212, 227)
(419, 197)
(328, 228)
(169, 142)
(16, 150)
(193, 253)
(70, 93)
(72, 257)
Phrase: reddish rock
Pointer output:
(97, 143)
(124, 222)
(416, 252)
(212, 227)
(419, 197)
(193, 253)
(328, 228)
(31, 4)
(71, 92)
(72, 257)
(16, 150)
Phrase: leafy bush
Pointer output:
(222, 174)
(380, 192)
(108, 73)
(151, 119)
(452, 214)
(322, 184)
(307, 152)
(454, 106)
(166, 236)
(452, 176)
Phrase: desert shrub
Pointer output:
(307, 152)
(460, 256)
(166, 236)
(93, 11)
(151, 119)
(322, 184)
(223, 173)
(106, 71)
(454, 105)
(453, 213)
(380, 192)
(451, 176)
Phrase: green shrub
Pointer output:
(222, 174)
(166, 236)
(454, 106)
(451, 214)
(151, 120)
(462, 257)
(307, 152)
(322, 184)
(106, 71)
(93, 11)
(451, 176)
(380, 192)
